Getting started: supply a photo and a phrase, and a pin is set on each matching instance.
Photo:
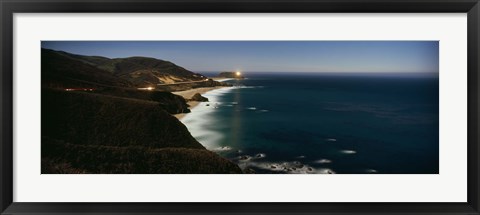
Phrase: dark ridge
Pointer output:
(132, 64)
(61, 71)
(93, 119)
(168, 101)
(61, 158)
(92, 60)
(137, 71)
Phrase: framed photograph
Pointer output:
(239, 107)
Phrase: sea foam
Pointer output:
(348, 152)
(323, 161)
(201, 117)
(290, 167)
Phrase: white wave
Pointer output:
(252, 108)
(332, 140)
(224, 79)
(325, 171)
(263, 111)
(260, 155)
(247, 87)
(348, 151)
(323, 161)
(301, 156)
(223, 148)
(371, 171)
(244, 158)
(290, 167)
(201, 118)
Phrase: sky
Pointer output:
(272, 56)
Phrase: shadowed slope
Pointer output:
(93, 119)
(70, 158)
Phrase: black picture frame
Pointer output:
(9, 7)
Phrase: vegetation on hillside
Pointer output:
(59, 71)
(137, 71)
(59, 157)
(95, 120)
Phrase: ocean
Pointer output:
(323, 123)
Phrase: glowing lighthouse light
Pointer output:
(238, 73)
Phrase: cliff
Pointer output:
(83, 132)
(169, 102)
(95, 120)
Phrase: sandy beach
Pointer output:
(188, 94)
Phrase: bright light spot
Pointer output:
(238, 73)
(149, 88)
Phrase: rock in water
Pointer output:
(199, 98)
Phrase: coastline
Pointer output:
(187, 94)
(201, 117)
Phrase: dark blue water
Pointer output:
(326, 123)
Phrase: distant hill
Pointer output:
(59, 70)
(131, 71)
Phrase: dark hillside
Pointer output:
(136, 71)
(92, 119)
(168, 101)
(69, 158)
(61, 71)
(132, 64)
(143, 71)
(92, 60)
